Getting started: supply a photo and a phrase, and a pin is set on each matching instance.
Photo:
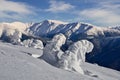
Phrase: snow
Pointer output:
(26, 63)
(15, 38)
(48, 28)
(33, 43)
(12, 30)
(52, 27)
(16, 64)
(35, 55)
(57, 22)
(69, 60)
(44, 27)
(52, 52)
(75, 56)
(15, 25)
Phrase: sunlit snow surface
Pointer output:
(16, 63)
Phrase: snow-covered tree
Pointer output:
(35, 43)
(15, 38)
(75, 55)
(70, 59)
(52, 52)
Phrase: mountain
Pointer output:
(101, 37)
(51, 47)
(106, 52)
(105, 39)
(48, 28)
(73, 31)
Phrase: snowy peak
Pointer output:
(52, 27)
(44, 27)
(76, 30)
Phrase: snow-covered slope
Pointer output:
(43, 28)
(17, 64)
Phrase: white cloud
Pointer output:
(10, 9)
(101, 16)
(59, 6)
(106, 13)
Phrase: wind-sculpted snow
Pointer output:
(33, 43)
(52, 52)
(75, 56)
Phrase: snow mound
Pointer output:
(75, 55)
(52, 52)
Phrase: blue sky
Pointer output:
(97, 12)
